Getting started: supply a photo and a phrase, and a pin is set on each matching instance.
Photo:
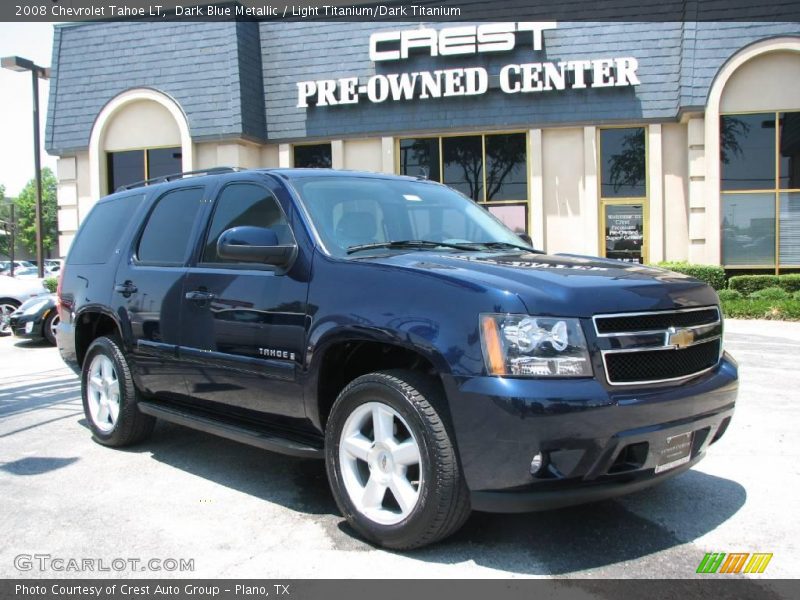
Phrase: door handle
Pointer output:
(126, 289)
(200, 296)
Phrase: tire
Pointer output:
(49, 325)
(7, 306)
(366, 466)
(110, 396)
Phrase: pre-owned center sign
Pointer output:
(522, 78)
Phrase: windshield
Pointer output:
(355, 211)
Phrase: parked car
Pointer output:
(36, 319)
(13, 292)
(397, 330)
(5, 266)
(26, 272)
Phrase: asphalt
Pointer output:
(237, 511)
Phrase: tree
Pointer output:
(5, 223)
(26, 214)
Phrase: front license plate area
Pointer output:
(676, 451)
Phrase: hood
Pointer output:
(562, 285)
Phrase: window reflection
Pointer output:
(790, 150)
(506, 167)
(747, 152)
(748, 229)
(419, 157)
(463, 165)
(623, 168)
(313, 156)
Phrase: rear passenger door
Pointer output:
(148, 287)
(243, 324)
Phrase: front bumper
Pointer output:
(26, 326)
(596, 442)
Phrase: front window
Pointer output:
(353, 211)
(760, 185)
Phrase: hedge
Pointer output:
(713, 275)
(748, 308)
(748, 284)
(51, 283)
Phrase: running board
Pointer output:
(231, 431)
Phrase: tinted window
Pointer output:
(420, 158)
(748, 229)
(506, 167)
(463, 165)
(125, 168)
(747, 152)
(102, 230)
(166, 236)
(623, 163)
(790, 150)
(313, 156)
(163, 161)
(513, 216)
(244, 204)
(624, 228)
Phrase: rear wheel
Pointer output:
(7, 306)
(110, 397)
(391, 461)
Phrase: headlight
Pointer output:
(530, 346)
(34, 307)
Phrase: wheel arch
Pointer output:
(91, 323)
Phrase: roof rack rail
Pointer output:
(174, 176)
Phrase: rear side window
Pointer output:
(165, 239)
(245, 204)
(102, 230)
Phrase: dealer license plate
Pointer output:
(676, 451)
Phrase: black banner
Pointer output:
(404, 10)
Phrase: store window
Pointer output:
(623, 193)
(760, 185)
(313, 156)
(132, 166)
(492, 169)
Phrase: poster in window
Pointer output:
(624, 228)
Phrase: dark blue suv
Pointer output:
(396, 329)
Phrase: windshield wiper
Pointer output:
(502, 245)
(409, 244)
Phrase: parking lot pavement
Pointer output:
(242, 512)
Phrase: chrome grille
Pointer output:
(659, 346)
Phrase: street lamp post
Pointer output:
(19, 64)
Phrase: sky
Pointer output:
(33, 41)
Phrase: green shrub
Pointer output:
(747, 284)
(796, 296)
(770, 293)
(713, 275)
(51, 283)
(748, 308)
(791, 283)
(725, 295)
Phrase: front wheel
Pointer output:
(392, 463)
(50, 327)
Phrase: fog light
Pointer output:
(28, 326)
(536, 463)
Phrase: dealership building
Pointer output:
(639, 141)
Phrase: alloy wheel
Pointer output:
(103, 393)
(380, 462)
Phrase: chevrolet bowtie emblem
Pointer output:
(680, 338)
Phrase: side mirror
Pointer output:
(255, 245)
(526, 238)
